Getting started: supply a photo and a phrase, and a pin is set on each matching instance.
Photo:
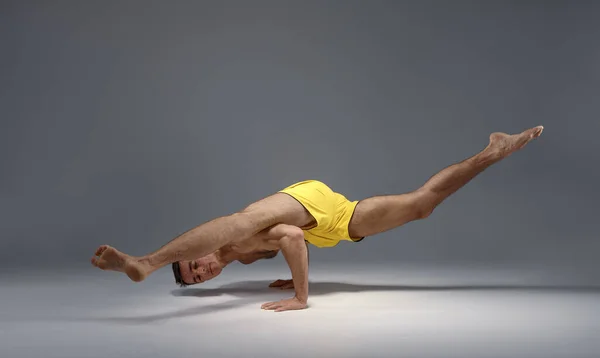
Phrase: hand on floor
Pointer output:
(284, 305)
(282, 284)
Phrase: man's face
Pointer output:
(200, 270)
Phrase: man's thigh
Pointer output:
(283, 209)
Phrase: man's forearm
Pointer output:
(307, 261)
(296, 255)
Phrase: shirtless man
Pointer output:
(308, 211)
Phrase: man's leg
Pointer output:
(208, 237)
(382, 213)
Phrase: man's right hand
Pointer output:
(282, 284)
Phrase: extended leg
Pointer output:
(208, 237)
(382, 213)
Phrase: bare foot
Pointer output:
(111, 259)
(504, 144)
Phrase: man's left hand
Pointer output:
(282, 284)
(285, 305)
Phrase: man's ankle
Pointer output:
(146, 263)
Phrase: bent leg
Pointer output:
(382, 213)
(208, 237)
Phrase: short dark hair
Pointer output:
(177, 274)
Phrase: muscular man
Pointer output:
(308, 211)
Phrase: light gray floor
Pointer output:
(355, 311)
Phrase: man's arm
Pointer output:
(288, 284)
(296, 254)
(295, 251)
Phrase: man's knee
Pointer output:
(294, 233)
(424, 213)
(286, 231)
(423, 205)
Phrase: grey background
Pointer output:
(127, 123)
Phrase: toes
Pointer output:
(534, 132)
(101, 249)
(101, 264)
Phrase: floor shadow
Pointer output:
(255, 292)
(247, 288)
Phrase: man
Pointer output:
(308, 211)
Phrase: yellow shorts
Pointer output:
(331, 210)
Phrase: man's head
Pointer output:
(197, 271)
(210, 266)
